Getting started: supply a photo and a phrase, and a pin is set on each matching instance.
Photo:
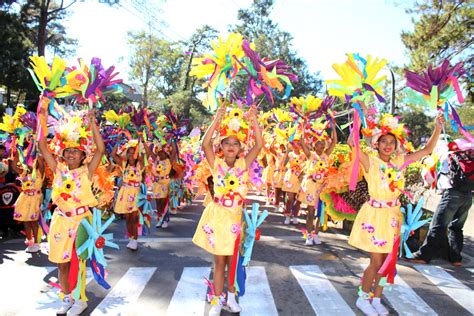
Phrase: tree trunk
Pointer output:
(9, 96)
(43, 23)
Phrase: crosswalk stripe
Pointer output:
(322, 295)
(449, 285)
(122, 299)
(30, 278)
(47, 302)
(189, 298)
(258, 298)
(404, 300)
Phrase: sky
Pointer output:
(323, 30)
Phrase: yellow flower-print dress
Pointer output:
(378, 222)
(128, 194)
(315, 174)
(279, 173)
(269, 170)
(291, 182)
(28, 204)
(72, 193)
(221, 220)
(161, 178)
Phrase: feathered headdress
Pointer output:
(73, 131)
(379, 125)
(234, 125)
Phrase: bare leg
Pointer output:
(289, 203)
(28, 231)
(63, 275)
(310, 219)
(277, 196)
(296, 209)
(370, 273)
(219, 272)
(134, 224)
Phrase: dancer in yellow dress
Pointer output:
(131, 169)
(220, 222)
(28, 204)
(72, 193)
(268, 172)
(376, 228)
(281, 155)
(315, 175)
(292, 183)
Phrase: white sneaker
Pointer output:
(295, 220)
(129, 243)
(216, 308)
(65, 305)
(78, 307)
(316, 240)
(133, 244)
(379, 308)
(309, 241)
(173, 211)
(281, 209)
(164, 224)
(365, 306)
(33, 248)
(232, 305)
(287, 220)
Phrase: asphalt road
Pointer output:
(285, 277)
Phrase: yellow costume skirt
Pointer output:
(161, 189)
(291, 183)
(62, 234)
(27, 207)
(267, 175)
(218, 228)
(309, 192)
(278, 179)
(127, 200)
(375, 229)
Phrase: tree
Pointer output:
(14, 50)
(257, 26)
(155, 64)
(43, 17)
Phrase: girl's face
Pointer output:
(319, 147)
(131, 154)
(73, 157)
(162, 155)
(230, 147)
(387, 144)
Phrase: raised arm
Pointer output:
(206, 145)
(253, 153)
(333, 139)
(99, 144)
(43, 145)
(431, 144)
(115, 157)
(363, 157)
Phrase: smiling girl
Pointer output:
(220, 222)
(377, 225)
(72, 193)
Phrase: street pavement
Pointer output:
(285, 277)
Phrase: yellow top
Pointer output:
(295, 162)
(162, 168)
(131, 174)
(72, 188)
(28, 183)
(230, 182)
(316, 166)
(385, 180)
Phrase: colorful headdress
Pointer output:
(378, 126)
(316, 131)
(234, 125)
(73, 131)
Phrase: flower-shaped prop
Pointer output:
(435, 87)
(358, 83)
(92, 249)
(305, 105)
(236, 57)
(411, 222)
(242, 256)
(324, 110)
(93, 82)
(144, 204)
